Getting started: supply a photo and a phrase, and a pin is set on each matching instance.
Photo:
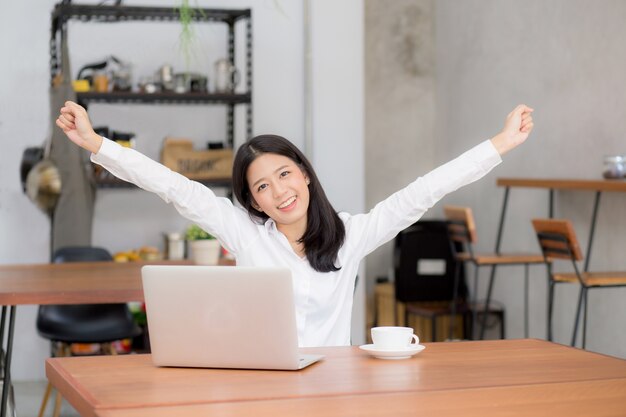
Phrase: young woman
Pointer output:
(287, 220)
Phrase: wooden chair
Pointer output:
(462, 229)
(558, 241)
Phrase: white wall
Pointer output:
(126, 219)
(337, 115)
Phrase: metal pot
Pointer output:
(614, 167)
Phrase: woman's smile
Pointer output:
(280, 189)
(289, 204)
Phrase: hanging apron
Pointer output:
(71, 221)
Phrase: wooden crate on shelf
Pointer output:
(180, 156)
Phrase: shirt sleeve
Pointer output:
(216, 215)
(368, 231)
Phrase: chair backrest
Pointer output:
(557, 239)
(424, 264)
(81, 254)
(85, 323)
(461, 225)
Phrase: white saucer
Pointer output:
(393, 354)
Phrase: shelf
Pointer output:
(104, 179)
(162, 98)
(129, 13)
(232, 18)
(116, 183)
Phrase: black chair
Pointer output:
(425, 268)
(85, 323)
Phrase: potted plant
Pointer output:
(205, 249)
(187, 38)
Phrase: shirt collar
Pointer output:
(270, 225)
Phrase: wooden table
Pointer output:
(576, 399)
(598, 186)
(66, 283)
(551, 184)
(486, 378)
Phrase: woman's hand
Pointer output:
(517, 127)
(75, 123)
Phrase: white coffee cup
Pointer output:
(393, 337)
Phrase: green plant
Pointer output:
(194, 232)
(187, 38)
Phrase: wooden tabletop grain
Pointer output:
(598, 398)
(75, 283)
(441, 373)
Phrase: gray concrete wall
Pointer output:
(566, 59)
(399, 104)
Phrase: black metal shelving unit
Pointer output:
(65, 11)
(162, 98)
(105, 179)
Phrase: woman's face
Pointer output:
(280, 189)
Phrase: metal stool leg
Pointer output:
(483, 324)
(474, 301)
(550, 304)
(455, 296)
(6, 366)
(526, 318)
(585, 319)
(2, 321)
(580, 300)
(467, 324)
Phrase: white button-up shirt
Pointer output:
(323, 301)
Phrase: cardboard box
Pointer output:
(179, 156)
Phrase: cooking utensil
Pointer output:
(226, 76)
(614, 167)
(43, 185)
(43, 181)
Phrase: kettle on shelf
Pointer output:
(226, 76)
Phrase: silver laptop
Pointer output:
(222, 317)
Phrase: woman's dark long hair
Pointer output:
(325, 232)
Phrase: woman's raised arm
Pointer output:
(74, 121)
(517, 127)
(194, 201)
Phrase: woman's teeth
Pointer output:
(288, 202)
